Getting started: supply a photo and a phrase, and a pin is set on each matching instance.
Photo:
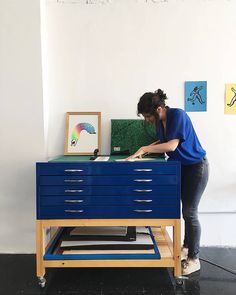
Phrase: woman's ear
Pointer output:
(158, 110)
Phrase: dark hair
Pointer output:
(150, 101)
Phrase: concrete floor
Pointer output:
(17, 276)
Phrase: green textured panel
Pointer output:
(128, 135)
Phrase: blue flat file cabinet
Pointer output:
(74, 191)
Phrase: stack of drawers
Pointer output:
(77, 190)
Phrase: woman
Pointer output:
(179, 141)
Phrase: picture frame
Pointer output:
(195, 93)
(230, 98)
(83, 133)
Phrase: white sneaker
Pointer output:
(184, 253)
(190, 265)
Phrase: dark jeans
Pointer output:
(193, 184)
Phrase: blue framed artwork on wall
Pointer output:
(195, 93)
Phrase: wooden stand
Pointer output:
(169, 251)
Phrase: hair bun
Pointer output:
(161, 94)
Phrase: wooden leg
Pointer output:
(163, 227)
(177, 247)
(40, 248)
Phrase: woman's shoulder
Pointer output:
(177, 112)
(178, 115)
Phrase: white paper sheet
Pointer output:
(134, 160)
(100, 230)
(102, 158)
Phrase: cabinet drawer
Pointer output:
(75, 190)
(80, 212)
(106, 168)
(109, 180)
(107, 200)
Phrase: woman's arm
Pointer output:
(165, 147)
(155, 142)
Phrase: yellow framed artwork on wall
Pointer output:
(230, 99)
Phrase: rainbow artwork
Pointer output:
(78, 129)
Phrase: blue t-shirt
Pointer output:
(179, 126)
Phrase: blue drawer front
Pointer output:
(109, 180)
(107, 200)
(107, 190)
(106, 168)
(80, 212)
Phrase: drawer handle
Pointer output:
(142, 170)
(142, 180)
(74, 190)
(143, 201)
(143, 190)
(73, 180)
(73, 170)
(74, 211)
(143, 211)
(74, 201)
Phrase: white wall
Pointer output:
(21, 122)
(103, 57)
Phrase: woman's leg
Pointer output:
(194, 181)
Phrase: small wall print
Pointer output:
(83, 131)
(195, 93)
(230, 99)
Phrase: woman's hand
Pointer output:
(139, 154)
(165, 147)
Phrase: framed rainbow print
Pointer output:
(83, 133)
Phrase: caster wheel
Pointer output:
(179, 282)
(42, 282)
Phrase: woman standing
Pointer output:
(179, 141)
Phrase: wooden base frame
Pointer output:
(170, 251)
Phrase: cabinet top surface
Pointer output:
(117, 159)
